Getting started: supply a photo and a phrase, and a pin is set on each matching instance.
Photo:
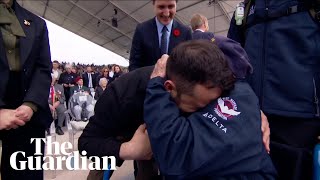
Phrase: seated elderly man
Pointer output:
(82, 101)
(56, 102)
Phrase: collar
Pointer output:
(199, 30)
(160, 25)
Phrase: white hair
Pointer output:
(101, 79)
(68, 66)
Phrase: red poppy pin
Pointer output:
(176, 32)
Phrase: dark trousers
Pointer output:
(19, 140)
(147, 170)
(291, 148)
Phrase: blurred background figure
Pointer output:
(56, 103)
(200, 27)
(89, 78)
(67, 80)
(79, 87)
(56, 69)
(103, 74)
(103, 82)
(81, 101)
(117, 72)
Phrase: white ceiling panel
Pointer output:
(63, 6)
(93, 6)
(36, 7)
(53, 16)
(79, 15)
(111, 33)
(92, 19)
(127, 25)
(71, 25)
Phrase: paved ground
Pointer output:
(125, 172)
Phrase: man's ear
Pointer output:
(171, 88)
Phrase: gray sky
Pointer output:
(69, 47)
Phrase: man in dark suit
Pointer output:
(200, 27)
(25, 71)
(89, 78)
(164, 33)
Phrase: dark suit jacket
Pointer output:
(86, 79)
(118, 113)
(99, 92)
(76, 88)
(35, 60)
(145, 50)
(202, 35)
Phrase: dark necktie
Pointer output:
(164, 40)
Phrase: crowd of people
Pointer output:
(194, 105)
(68, 80)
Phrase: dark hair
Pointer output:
(155, 1)
(55, 61)
(198, 62)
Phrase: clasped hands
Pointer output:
(14, 118)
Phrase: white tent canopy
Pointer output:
(92, 19)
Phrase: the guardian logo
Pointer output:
(54, 160)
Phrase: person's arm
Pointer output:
(115, 121)
(62, 96)
(170, 133)
(41, 75)
(37, 91)
(97, 94)
(136, 49)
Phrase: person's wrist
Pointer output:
(125, 151)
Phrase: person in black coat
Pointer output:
(25, 71)
(116, 128)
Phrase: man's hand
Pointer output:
(8, 120)
(265, 131)
(138, 148)
(65, 85)
(160, 67)
(56, 104)
(52, 108)
(24, 113)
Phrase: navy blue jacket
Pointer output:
(202, 35)
(145, 50)
(284, 53)
(35, 63)
(222, 140)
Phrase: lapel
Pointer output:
(26, 43)
(155, 39)
(172, 42)
(3, 55)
